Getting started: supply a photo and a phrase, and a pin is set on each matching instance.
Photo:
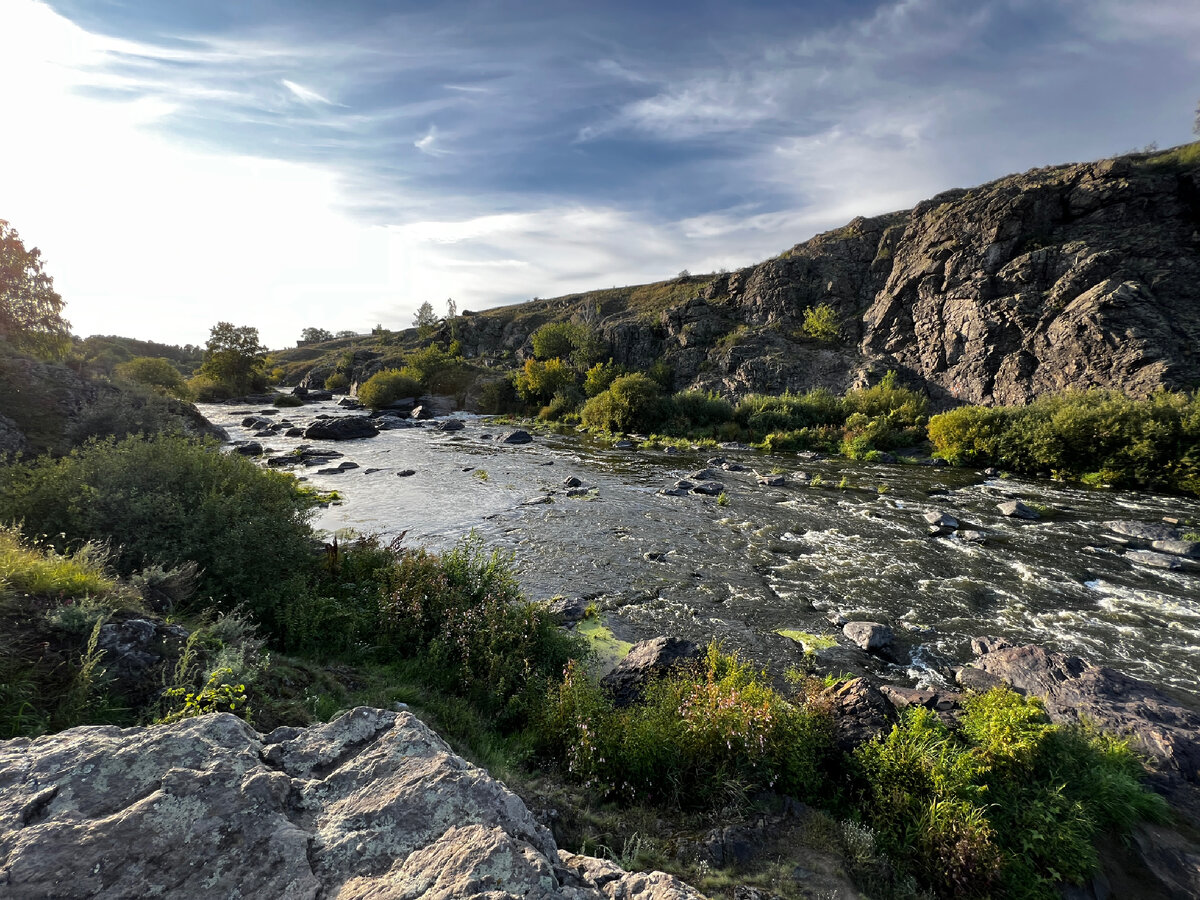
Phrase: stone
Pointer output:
(941, 519)
(372, 804)
(710, 488)
(406, 473)
(991, 472)
(421, 413)
(572, 482)
(970, 678)
(450, 425)
(770, 480)
(870, 636)
(515, 437)
(861, 713)
(624, 444)
(1144, 531)
(646, 661)
(1015, 509)
(133, 650)
(1190, 549)
(248, 448)
(345, 428)
(1155, 560)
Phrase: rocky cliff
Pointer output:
(373, 804)
(1084, 275)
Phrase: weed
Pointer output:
(722, 499)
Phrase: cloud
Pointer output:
(303, 93)
(428, 143)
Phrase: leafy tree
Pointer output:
(346, 334)
(425, 319)
(156, 372)
(30, 309)
(451, 308)
(316, 335)
(233, 358)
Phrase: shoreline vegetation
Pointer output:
(297, 633)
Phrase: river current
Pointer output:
(839, 540)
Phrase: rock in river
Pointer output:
(345, 428)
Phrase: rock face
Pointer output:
(1070, 276)
(373, 804)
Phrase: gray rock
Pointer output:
(770, 480)
(1190, 549)
(451, 425)
(421, 413)
(941, 519)
(861, 713)
(1015, 509)
(248, 448)
(515, 437)
(973, 679)
(870, 636)
(572, 482)
(624, 444)
(646, 661)
(1155, 560)
(406, 473)
(373, 804)
(12, 439)
(711, 488)
(346, 428)
(1144, 531)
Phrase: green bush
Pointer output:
(440, 371)
(385, 388)
(1011, 805)
(538, 381)
(632, 402)
(568, 340)
(698, 738)
(905, 407)
(166, 500)
(762, 414)
(338, 382)
(821, 322)
(155, 372)
(600, 377)
(969, 435)
(698, 412)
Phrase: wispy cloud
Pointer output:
(428, 143)
(303, 93)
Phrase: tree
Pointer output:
(451, 308)
(821, 322)
(425, 319)
(346, 334)
(233, 357)
(316, 335)
(30, 309)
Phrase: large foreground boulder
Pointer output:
(373, 804)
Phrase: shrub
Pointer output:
(697, 411)
(385, 388)
(969, 435)
(763, 414)
(821, 322)
(155, 372)
(568, 340)
(538, 381)
(167, 500)
(207, 389)
(600, 376)
(697, 737)
(888, 398)
(438, 370)
(338, 382)
(1012, 805)
(632, 402)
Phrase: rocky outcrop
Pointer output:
(346, 428)
(373, 804)
(645, 662)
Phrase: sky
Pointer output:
(293, 163)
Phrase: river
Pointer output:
(840, 540)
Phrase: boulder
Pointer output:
(12, 439)
(1155, 560)
(373, 804)
(421, 413)
(1015, 509)
(248, 448)
(451, 425)
(770, 480)
(711, 488)
(870, 636)
(646, 661)
(861, 713)
(134, 649)
(346, 428)
(515, 437)
(941, 519)
(624, 444)
(572, 482)
(1147, 532)
(1190, 549)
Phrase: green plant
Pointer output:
(631, 402)
(30, 309)
(154, 372)
(722, 499)
(821, 323)
(338, 382)
(481, 474)
(385, 388)
(217, 695)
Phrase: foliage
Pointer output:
(1096, 436)
(696, 412)
(632, 402)
(600, 376)
(47, 573)
(903, 406)
(166, 500)
(316, 335)
(30, 309)
(155, 372)
(821, 323)
(1011, 805)
(219, 694)
(233, 359)
(573, 341)
(697, 738)
(338, 382)
(538, 381)
(440, 371)
(385, 388)
(131, 409)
